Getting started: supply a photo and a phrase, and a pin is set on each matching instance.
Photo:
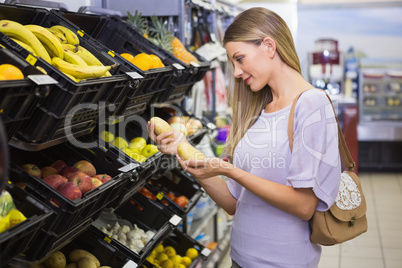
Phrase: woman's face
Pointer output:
(251, 63)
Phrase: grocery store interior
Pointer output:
(82, 183)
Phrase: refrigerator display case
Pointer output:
(380, 113)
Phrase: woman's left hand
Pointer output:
(204, 169)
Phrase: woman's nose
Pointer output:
(237, 72)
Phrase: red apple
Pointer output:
(69, 190)
(86, 167)
(96, 182)
(33, 170)
(69, 172)
(103, 177)
(59, 165)
(55, 180)
(48, 170)
(82, 180)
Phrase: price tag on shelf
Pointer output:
(194, 64)
(134, 75)
(128, 167)
(42, 79)
(175, 220)
(178, 66)
(205, 252)
(130, 264)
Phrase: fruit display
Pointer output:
(143, 60)
(159, 34)
(136, 148)
(180, 200)
(167, 257)
(9, 215)
(71, 181)
(133, 238)
(58, 46)
(76, 258)
(10, 72)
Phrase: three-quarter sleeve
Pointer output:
(315, 160)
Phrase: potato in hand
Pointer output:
(188, 152)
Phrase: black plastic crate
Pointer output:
(17, 239)
(181, 242)
(178, 182)
(113, 34)
(18, 98)
(49, 242)
(96, 245)
(146, 215)
(67, 213)
(103, 91)
(126, 39)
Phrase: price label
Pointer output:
(134, 75)
(128, 167)
(205, 252)
(80, 33)
(130, 264)
(194, 64)
(42, 79)
(178, 66)
(159, 196)
(111, 53)
(107, 239)
(175, 220)
(31, 59)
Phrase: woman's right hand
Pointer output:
(165, 143)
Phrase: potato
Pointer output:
(77, 254)
(161, 126)
(188, 152)
(72, 265)
(86, 262)
(105, 267)
(56, 260)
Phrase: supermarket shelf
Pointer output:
(215, 257)
(198, 225)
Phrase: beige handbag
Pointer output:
(346, 218)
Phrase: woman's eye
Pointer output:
(239, 59)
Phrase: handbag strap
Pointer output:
(343, 148)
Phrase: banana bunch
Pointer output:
(57, 45)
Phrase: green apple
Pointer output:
(134, 155)
(106, 136)
(120, 143)
(137, 144)
(149, 150)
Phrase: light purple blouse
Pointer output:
(262, 235)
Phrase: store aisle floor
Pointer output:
(381, 246)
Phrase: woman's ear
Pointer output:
(270, 45)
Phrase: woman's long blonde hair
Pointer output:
(253, 25)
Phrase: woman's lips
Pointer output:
(247, 80)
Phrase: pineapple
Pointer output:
(160, 35)
(139, 24)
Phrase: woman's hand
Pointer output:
(204, 169)
(165, 143)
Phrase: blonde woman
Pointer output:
(271, 192)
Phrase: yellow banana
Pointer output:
(72, 77)
(73, 58)
(59, 35)
(26, 46)
(48, 40)
(88, 57)
(70, 36)
(18, 31)
(69, 47)
(79, 71)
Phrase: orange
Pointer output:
(143, 61)
(10, 72)
(157, 63)
(127, 56)
(181, 201)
